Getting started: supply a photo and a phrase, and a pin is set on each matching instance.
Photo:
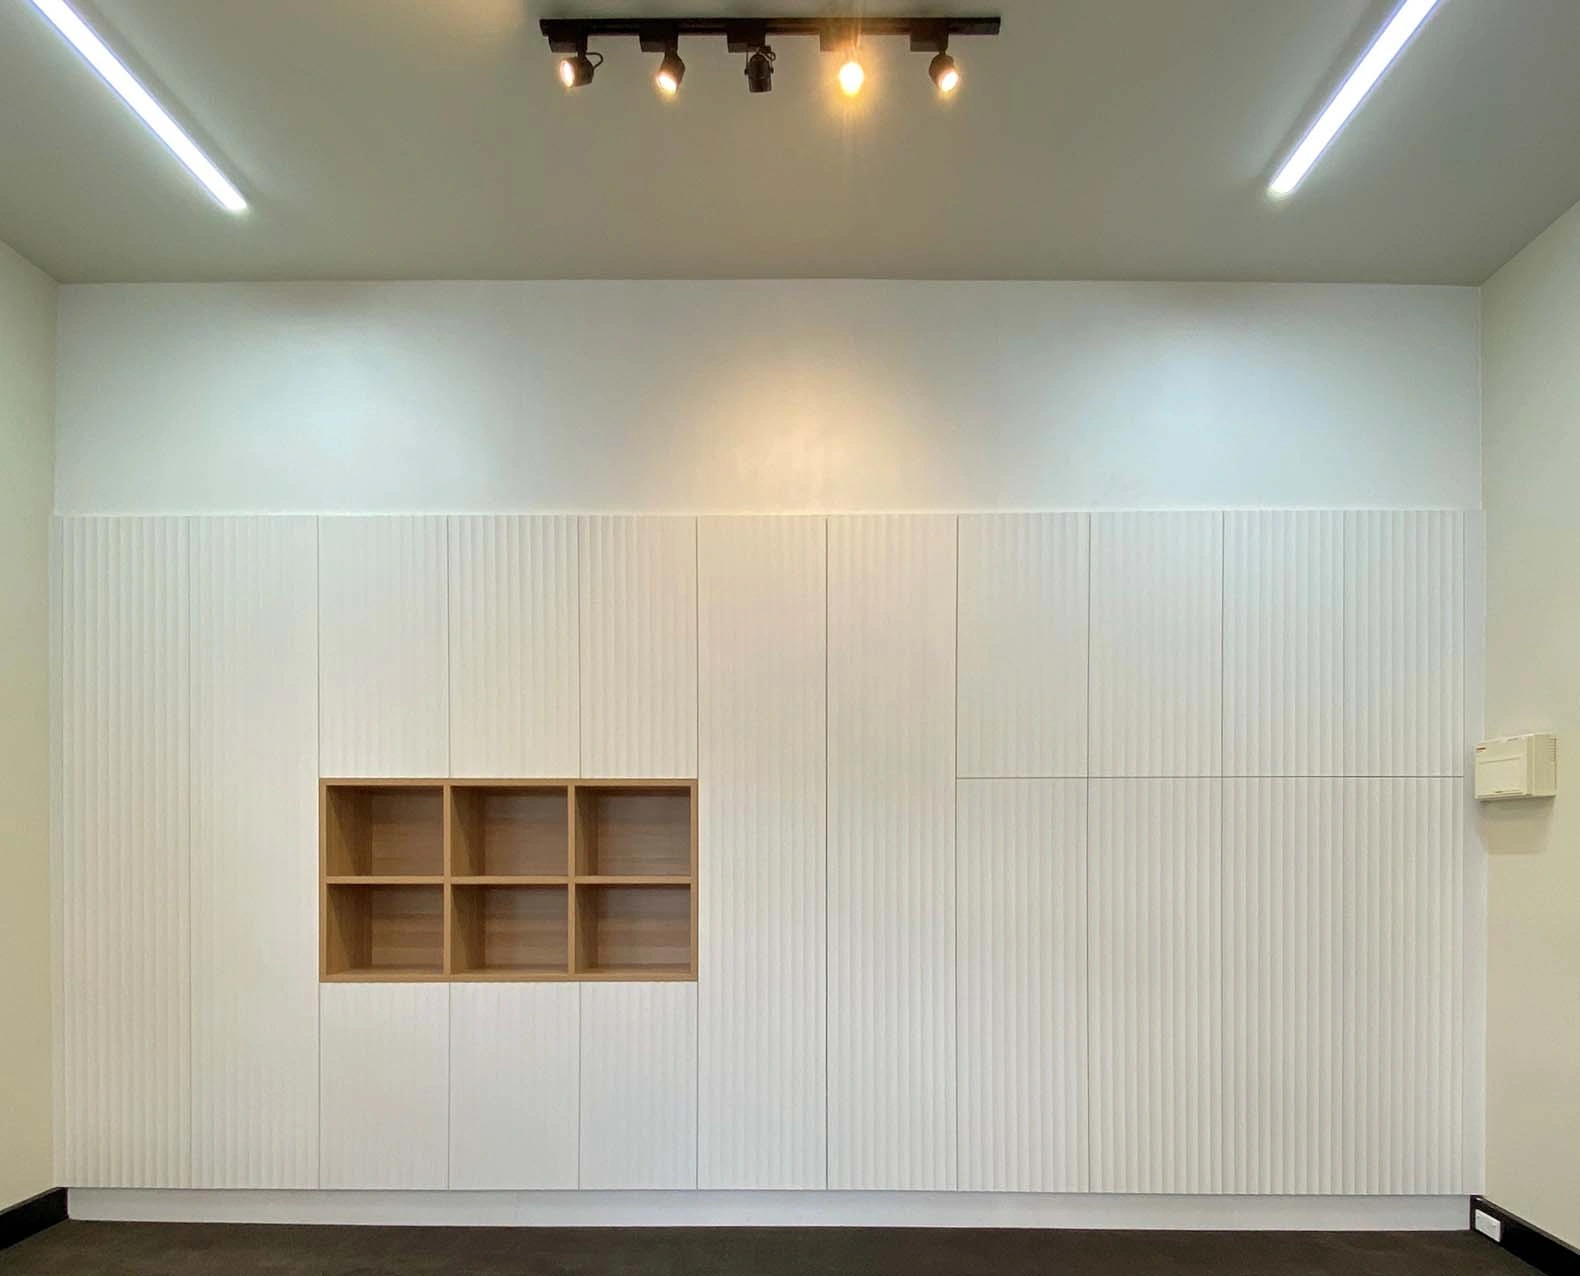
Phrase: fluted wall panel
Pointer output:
(1404, 1065)
(1024, 597)
(254, 852)
(638, 1085)
(1021, 891)
(514, 700)
(1283, 643)
(1404, 612)
(1159, 1123)
(125, 812)
(384, 1077)
(383, 664)
(1156, 643)
(1286, 1013)
(763, 793)
(638, 646)
(891, 907)
(515, 1087)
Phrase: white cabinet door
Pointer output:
(1158, 1120)
(762, 988)
(383, 667)
(1157, 649)
(514, 1085)
(1022, 972)
(891, 853)
(1024, 599)
(1404, 648)
(254, 852)
(1283, 643)
(124, 815)
(384, 1085)
(639, 1085)
(638, 648)
(513, 646)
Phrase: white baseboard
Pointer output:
(777, 1209)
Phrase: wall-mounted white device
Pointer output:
(1517, 766)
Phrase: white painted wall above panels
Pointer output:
(763, 396)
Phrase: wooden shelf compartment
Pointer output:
(374, 830)
(389, 932)
(646, 931)
(635, 830)
(510, 932)
(510, 830)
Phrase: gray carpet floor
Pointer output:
(176, 1249)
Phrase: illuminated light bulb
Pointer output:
(671, 71)
(577, 70)
(851, 77)
(946, 75)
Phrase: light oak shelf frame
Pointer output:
(507, 880)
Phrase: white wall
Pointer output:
(697, 397)
(1531, 311)
(27, 406)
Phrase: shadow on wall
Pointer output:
(1517, 828)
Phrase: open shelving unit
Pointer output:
(508, 880)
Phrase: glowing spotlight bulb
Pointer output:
(946, 75)
(851, 76)
(671, 71)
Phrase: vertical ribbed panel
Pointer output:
(891, 907)
(1285, 1017)
(514, 1085)
(384, 1075)
(1023, 627)
(763, 778)
(1283, 643)
(383, 666)
(1157, 649)
(1021, 883)
(1404, 611)
(513, 641)
(124, 837)
(1156, 981)
(639, 1085)
(254, 852)
(1403, 940)
(638, 647)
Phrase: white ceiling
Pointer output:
(1095, 139)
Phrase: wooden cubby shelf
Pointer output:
(508, 880)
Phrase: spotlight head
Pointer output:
(851, 75)
(577, 70)
(671, 71)
(946, 75)
(760, 70)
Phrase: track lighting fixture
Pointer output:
(569, 36)
(671, 71)
(760, 70)
(577, 70)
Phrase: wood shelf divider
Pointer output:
(504, 879)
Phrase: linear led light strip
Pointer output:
(1384, 49)
(126, 85)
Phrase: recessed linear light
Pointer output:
(114, 73)
(1376, 60)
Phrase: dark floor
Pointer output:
(174, 1248)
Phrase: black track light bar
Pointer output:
(928, 34)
